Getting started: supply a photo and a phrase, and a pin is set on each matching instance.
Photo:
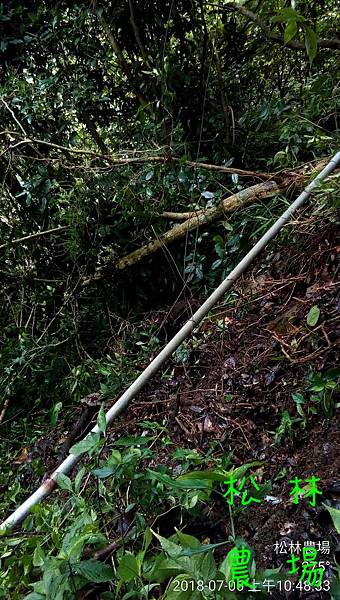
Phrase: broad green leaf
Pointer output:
(298, 398)
(290, 31)
(219, 476)
(172, 549)
(128, 567)
(56, 584)
(94, 571)
(101, 420)
(38, 556)
(318, 387)
(82, 528)
(78, 479)
(287, 14)
(89, 443)
(175, 551)
(115, 458)
(191, 484)
(164, 568)
(203, 548)
(74, 551)
(225, 568)
(204, 476)
(311, 42)
(187, 541)
(133, 440)
(208, 566)
(313, 316)
(147, 538)
(335, 514)
(103, 472)
(63, 482)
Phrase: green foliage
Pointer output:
(286, 426)
(54, 556)
(313, 316)
(322, 388)
(335, 514)
(294, 21)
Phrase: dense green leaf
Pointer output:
(64, 482)
(133, 441)
(311, 41)
(101, 419)
(103, 472)
(219, 476)
(128, 567)
(290, 31)
(287, 14)
(313, 316)
(180, 483)
(335, 514)
(38, 556)
(94, 571)
(86, 445)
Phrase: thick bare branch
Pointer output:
(28, 238)
(115, 161)
(223, 169)
(181, 216)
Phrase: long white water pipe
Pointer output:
(122, 403)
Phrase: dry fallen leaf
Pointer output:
(23, 457)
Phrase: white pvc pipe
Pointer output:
(122, 403)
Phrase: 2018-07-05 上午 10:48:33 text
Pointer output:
(267, 585)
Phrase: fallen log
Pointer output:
(256, 192)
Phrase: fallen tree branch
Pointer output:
(13, 115)
(181, 216)
(165, 158)
(256, 192)
(223, 169)
(27, 238)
